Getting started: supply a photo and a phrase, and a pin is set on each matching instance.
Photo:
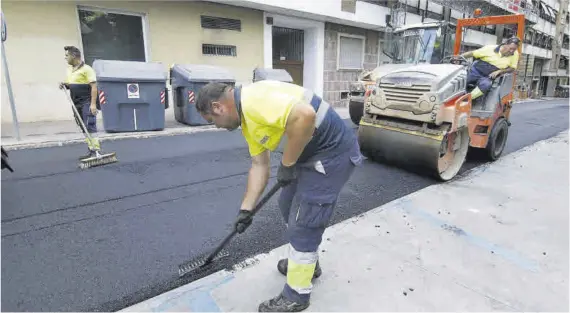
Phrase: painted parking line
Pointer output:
(409, 207)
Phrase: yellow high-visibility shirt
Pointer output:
(488, 54)
(266, 105)
(83, 75)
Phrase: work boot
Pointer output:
(282, 268)
(282, 304)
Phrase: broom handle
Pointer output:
(80, 118)
(260, 204)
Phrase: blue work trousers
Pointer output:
(307, 206)
(88, 118)
(483, 82)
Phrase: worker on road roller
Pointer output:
(319, 157)
(492, 61)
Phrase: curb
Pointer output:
(108, 137)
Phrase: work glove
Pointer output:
(286, 174)
(243, 221)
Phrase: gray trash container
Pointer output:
(186, 81)
(132, 95)
(271, 74)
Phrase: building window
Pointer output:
(213, 22)
(435, 16)
(490, 29)
(218, 50)
(350, 52)
(549, 43)
(109, 35)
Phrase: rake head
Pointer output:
(199, 264)
(98, 160)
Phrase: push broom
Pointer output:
(99, 159)
(200, 263)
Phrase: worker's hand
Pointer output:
(243, 221)
(93, 109)
(495, 74)
(62, 85)
(286, 174)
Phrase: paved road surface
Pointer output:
(104, 239)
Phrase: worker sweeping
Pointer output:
(319, 156)
(492, 61)
(82, 84)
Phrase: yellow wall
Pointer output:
(38, 30)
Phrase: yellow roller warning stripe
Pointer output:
(411, 132)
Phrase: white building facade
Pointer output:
(338, 39)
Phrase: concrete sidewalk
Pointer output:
(495, 239)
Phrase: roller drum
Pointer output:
(442, 155)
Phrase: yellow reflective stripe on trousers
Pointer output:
(300, 270)
(476, 93)
(93, 145)
(299, 276)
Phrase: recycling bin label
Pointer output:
(133, 91)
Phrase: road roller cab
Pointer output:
(423, 43)
(422, 116)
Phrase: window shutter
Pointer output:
(350, 52)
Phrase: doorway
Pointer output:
(288, 51)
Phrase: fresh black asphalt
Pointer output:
(106, 238)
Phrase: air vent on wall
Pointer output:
(208, 49)
(213, 22)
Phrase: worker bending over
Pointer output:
(82, 84)
(320, 154)
(492, 61)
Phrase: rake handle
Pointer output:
(259, 205)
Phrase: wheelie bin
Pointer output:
(132, 95)
(186, 81)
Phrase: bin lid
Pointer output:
(271, 74)
(112, 70)
(204, 73)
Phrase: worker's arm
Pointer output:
(64, 84)
(496, 73)
(256, 180)
(93, 106)
(510, 69)
(467, 54)
(299, 130)
(91, 77)
(477, 53)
